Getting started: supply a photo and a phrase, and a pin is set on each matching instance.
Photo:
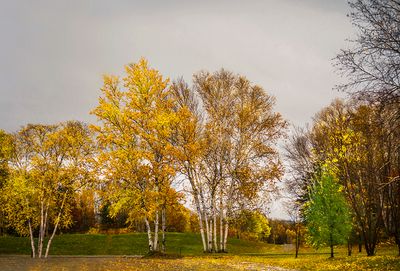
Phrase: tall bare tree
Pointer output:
(372, 64)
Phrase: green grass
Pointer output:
(188, 244)
(254, 255)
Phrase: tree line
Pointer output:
(157, 141)
(345, 166)
(217, 139)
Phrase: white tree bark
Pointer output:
(149, 237)
(55, 226)
(195, 193)
(225, 235)
(209, 243)
(155, 243)
(164, 228)
(214, 214)
(211, 235)
(221, 220)
(32, 241)
(41, 231)
(200, 216)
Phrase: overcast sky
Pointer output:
(53, 53)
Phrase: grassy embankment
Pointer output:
(241, 253)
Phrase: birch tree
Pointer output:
(49, 164)
(228, 147)
(137, 156)
(190, 146)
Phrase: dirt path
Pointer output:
(102, 263)
(257, 267)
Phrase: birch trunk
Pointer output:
(155, 244)
(45, 222)
(211, 234)
(200, 215)
(149, 237)
(32, 241)
(51, 238)
(221, 219)
(40, 239)
(214, 224)
(55, 226)
(226, 235)
(206, 221)
(164, 227)
(195, 192)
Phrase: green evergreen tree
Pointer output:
(326, 213)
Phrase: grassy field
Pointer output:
(188, 244)
(243, 255)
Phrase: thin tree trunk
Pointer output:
(55, 226)
(191, 176)
(221, 229)
(156, 232)
(32, 241)
(46, 222)
(226, 234)
(43, 232)
(221, 222)
(228, 206)
(211, 235)
(149, 237)
(200, 215)
(398, 246)
(331, 243)
(215, 233)
(206, 221)
(164, 227)
(297, 240)
(40, 239)
(349, 247)
(214, 225)
(51, 238)
(369, 244)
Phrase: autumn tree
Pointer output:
(294, 209)
(83, 210)
(190, 147)
(389, 171)
(137, 155)
(279, 230)
(326, 213)
(251, 225)
(372, 62)
(371, 66)
(360, 146)
(228, 148)
(49, 163)
(5, 155)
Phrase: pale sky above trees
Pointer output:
(53, 53)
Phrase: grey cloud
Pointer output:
(53, 53)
